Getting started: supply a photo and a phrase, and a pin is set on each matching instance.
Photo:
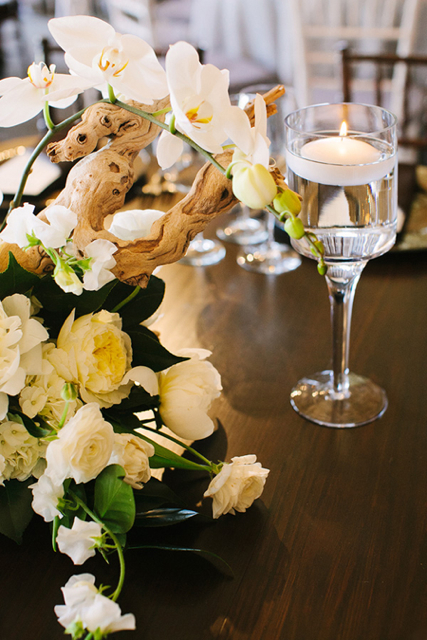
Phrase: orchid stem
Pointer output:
(130, 297)
(117, 544)
(47, 118)
(151, 118)
(37, 151)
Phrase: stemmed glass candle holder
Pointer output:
(347, 176)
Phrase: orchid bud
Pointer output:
(287, 202)
(294, 228)
(254, 186)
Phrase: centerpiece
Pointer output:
(86, 387)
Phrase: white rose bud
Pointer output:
(132, 454)
(237, 485)
(78, 542)
(83, 447)
(186, 392)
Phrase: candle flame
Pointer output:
(344, 129)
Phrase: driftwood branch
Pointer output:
(97, 185)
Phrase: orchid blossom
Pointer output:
(252, 182)
(201, 106)
(23, 99)
(94, 51)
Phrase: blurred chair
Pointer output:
(9, 11)
(380, 26)
(409, 103)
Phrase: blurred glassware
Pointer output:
(271, 257)
(203, 252)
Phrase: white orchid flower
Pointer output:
(134, 224)
(101, 252)
(94, 51)
(21, 223)
(253, 184)
(22, 99)
(201, 106)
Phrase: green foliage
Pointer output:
(38, 430)
(148, 352)
(138, 400)
(145, 303)
(163, 517)
(165, 458)
(114, 501)
(16, 279)
(15, 508)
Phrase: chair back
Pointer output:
(409, 103)
(366, 25)
(132, 16)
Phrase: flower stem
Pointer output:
(37, 151)
(47, 118)
(117, 544)
(130, 297)
(111, 94)
(182, 444)
(178, 134)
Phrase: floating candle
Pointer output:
(340, 160)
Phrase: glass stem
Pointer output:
(341, 288)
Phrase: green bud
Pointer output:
(287, 202)
(322, 268)
(68, 392)
(254, 186)
(294, 228)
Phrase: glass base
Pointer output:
(270, 257)
(243, 230)
(203, 252)
(314, 398)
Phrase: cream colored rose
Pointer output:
(20, 450)
(96, 354)
(132, 454)
(20, 347)
(42, 394)
(83, 448)
(237, 485)
(186, 392)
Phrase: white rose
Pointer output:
(83, 603)
(45, 498)
(78, 542)
(132, 454)
(83, 447)
(20, 450)
(96, 354)
(42, 394)
(186, 392)
(20, 347)
(237, 485)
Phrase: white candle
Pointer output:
(341, 161)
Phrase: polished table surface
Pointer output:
(336, 548)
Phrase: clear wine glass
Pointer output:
(271, 257)
(348, 182)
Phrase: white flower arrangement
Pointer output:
(84, 385)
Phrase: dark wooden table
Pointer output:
(336, 548)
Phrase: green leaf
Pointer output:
(138, 400)
(114, 501)
(219, 563)
(15, 508)
(57, 305)
(145, 303)
(16, 279)
(148, 352)
(37, 430)
(163, 517)
(165, 458)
